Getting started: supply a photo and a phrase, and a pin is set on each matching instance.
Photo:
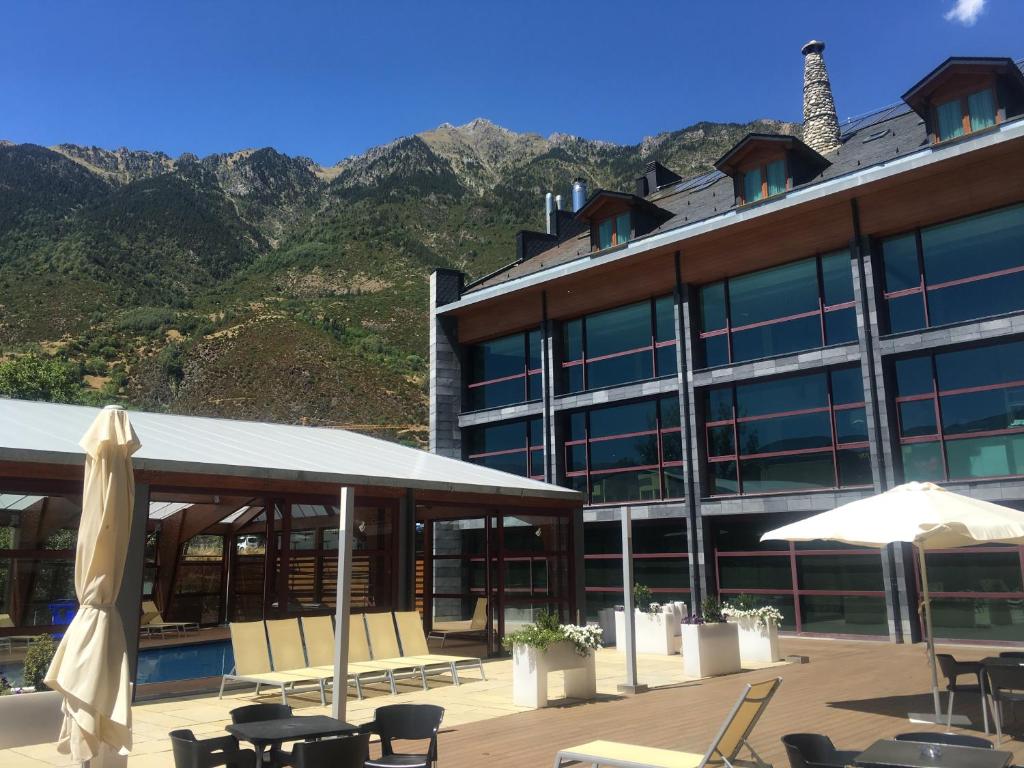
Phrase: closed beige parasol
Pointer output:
(90, 668)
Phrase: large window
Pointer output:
(660, 562)
(797, 306)
(631, 452)
(516, 447)
(820, 587)
(961, 270)
(961, 413)
(791, 434)
(504, 371)
(764, 181)
(630, 343)
(614, 230)
(964, 114)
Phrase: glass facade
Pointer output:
(516, 447)
(787, 435)
(796, 306)
(504, 371)
(957, 271)
(630, 343)
(629, 452)
(820, 587)
(660, 562)
(960, 413)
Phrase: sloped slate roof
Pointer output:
(49, 433)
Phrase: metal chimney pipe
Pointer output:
(579, 193)
(549, 212)
(558, 202)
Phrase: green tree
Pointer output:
(31, 377)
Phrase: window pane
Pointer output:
(620, 369)
(982, 109)
(906, 313)
(993, 364)
(752, 185)
(497, 394)
(498, 358)
(672, 447)
(851, 426)
(788, 433)
(500, 437)
(900, 257)
(789, 394)
(847, 386)
(622, 419)
(643, 485)
(669, 411)
(666, 360)
(624, 452)
(840, 573)
(854, 467)
(662, 573)
(577, 426)
(774, 293)
(722, 477)
(974, 246)
(619, 329)
(982, 411)
(718, 404)
(537, 464)
(716, 351)
(535, 383)
(622, 228)
(776, 173)
(995, 456)
(998, 571)
(841, 326)
(837, 277)
(950, 120)
(572, 340)
(922, 461)
(675, 483)
(978, 619)
(777, 338)
(513, 463)
(604, 234)
(966, 301)
(917, 417)
(576, 458)
(720, 441)
(844, 615)
(788, 473)
(712, 307)
(767, 572)
(914, 376)
(664, 319)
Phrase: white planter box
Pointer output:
(710, 649)
(657, 633)
(607, 618)
(757, 644)
(531, 667)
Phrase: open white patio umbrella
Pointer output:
(923, 514)
(90, 668)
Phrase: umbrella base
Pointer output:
(961, 721)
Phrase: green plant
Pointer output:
(37, 661)
(546, 631)
(6, 689)
(711, 610)
(643, 600)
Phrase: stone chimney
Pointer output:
(821, 126)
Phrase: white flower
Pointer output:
(762, 616)
(585, 639)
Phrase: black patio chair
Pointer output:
(344, 752)
(952, 739)
(1005, 684)
(253, 713)
(815, 750)
(953, 670)
(190, 752)
(407, 722)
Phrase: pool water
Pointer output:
(162, 665)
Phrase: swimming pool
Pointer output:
(162, 665)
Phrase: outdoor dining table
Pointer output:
(272, 733)
(913, 754)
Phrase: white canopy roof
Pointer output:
(49, 433)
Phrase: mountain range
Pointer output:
(257, 285)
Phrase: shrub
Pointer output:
(642, 598)
(711, 610)
(37, 661)
(37, 378)
(95, 366)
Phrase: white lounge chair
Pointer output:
(477, 626)
(252, 660)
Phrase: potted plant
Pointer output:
(548, 646)
(656, 624)
(758, 627)
(711, 645)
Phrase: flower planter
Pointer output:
(710, 649)
(656, 633)
(758, 644)
(531, 667)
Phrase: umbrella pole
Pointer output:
(930, 637)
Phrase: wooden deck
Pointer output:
(855, 692)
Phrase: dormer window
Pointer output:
(763, 165)
(963, 96)
(615, 230)
(764, 181)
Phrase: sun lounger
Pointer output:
(318, 632)
(152, 621)
(6, 623)
(288, 656)
(414, 645)
(732, 738)
(380, 630)
(441, 630)
(252, 660)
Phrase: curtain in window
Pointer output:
(752, 185)
(622, 228)
(982, 109)
(950, 120)
(776, 177)
(604, 234)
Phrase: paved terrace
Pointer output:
(855, 692)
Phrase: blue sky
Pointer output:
(330, 79)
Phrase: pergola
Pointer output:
(245, 520)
